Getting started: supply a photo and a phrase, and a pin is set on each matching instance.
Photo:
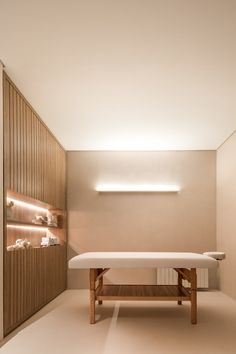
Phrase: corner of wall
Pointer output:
(225, 212)
(1, 201)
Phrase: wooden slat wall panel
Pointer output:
(34, 277)
(34, 166)
(35, 161)
(11, 144)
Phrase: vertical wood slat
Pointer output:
(18, 141)
(15, 157)
(11, 143)
(7, 136)
(32, 156)
(28, 152)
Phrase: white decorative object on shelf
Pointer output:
(40, 220)
(52, 220)
(50, 241)
(10, 205)
(21, 244)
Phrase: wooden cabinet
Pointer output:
(34, 175)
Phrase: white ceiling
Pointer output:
(127, 74)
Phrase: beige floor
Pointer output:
(134, 327)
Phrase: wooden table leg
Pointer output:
(180, 278)
(100, 285)
(193, 296)
(92, 278)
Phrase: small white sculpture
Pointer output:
(40, 220)
(52, 220)
(21, 244)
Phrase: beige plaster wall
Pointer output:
(226, 214)
(140, 221)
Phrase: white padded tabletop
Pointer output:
(141, 260)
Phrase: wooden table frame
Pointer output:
(100, 292)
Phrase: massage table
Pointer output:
(185, 264)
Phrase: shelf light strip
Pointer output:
(137, 188)
(26, 205)
(24, 227)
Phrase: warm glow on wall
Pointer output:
(30, 228)
(107, 187)
(26, 205)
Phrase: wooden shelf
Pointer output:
(142, 292)
(36, 248)
(26, 223)
(26, 199)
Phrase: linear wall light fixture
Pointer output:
(23, 227)
(26, 205)
(137, 188)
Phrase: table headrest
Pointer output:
(216, 255)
